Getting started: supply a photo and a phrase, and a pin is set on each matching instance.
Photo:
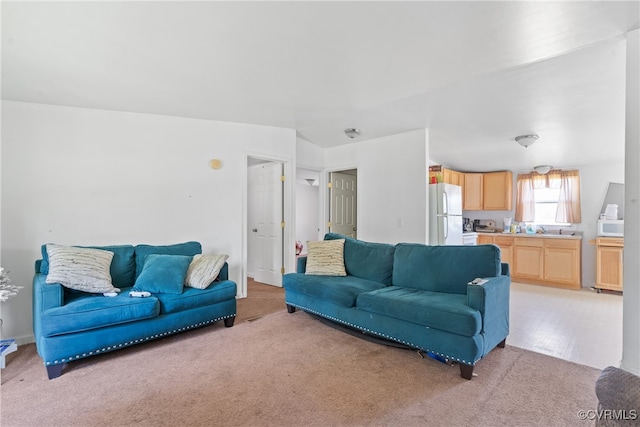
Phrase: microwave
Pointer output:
(611, 227)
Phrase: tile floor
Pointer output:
(581, 326)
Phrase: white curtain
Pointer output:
(569, 209)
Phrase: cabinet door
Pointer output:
(609, 267)
(528, 258)
(497, 191)
(505, 243)
(485, 239)
(472, 199)
(562, 262)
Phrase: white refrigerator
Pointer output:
(445, 214)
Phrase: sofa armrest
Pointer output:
(45, 296)
(505, 269)
(301, 266)
(491, 299)
(224, 272)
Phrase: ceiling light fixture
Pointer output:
(352, 132)
(310, 181)
(543, 169)
(526, 140)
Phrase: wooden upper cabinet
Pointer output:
(497, 191)
(473, 191)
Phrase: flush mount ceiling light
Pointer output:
(352, 132)
(543, 169)
(310, 181)
(526, 140)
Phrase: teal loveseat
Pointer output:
(414, 294)
(69, 325)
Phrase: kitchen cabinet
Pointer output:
(472, 191)
(528, 258)
(562, 263)
(551, 261)
(453, 177)
(504, 242)
(497, 192)
(609, 252)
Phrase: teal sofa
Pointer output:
(69, 325)
(413, 294)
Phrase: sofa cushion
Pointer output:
(163, 274)
(443, 268)
(204, 269)
(123, 265)
(81, 269)
(187, 248)
(371, 261)
(341, 290)
(83, 312)
(193, 298)
(326, 258)
(446, 312)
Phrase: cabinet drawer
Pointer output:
(504, 240)
(528, 241)
(562, 243)
(610, 241)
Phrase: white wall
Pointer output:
(392, 185)
(80, 176)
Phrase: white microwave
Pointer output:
(611, 227)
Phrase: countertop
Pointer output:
(554, 235)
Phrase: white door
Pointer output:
(266, 224)
(343, 203)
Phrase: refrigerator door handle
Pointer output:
(445, 203)
(445, 221)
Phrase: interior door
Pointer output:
(266, 226)
(343, 203)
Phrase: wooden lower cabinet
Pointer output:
(609, 252)
(562, 262)
(544, 261)
(528, 258)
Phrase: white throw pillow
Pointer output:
(82, 269)
(204, 269)
(326, 258)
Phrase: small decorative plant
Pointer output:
(7, 290)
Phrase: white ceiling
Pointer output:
(475, 73)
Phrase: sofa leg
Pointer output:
(54, 371)
(466, 371)
(228, 322)
(291, 309)
(502, 343)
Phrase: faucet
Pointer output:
(544, 230)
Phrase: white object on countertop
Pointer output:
(611, 211)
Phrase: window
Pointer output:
(546, 206)
(551, 199)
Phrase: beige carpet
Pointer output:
(291, 370)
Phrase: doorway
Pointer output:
(265, 220)
(343, 202)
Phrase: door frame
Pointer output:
(326, 197)
(288, 213)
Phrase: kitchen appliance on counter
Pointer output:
(484, 226)
(611, 227)
(445, 214)
(466, 225)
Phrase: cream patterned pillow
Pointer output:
(326, 258)
(204, 269)
(82, 269)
